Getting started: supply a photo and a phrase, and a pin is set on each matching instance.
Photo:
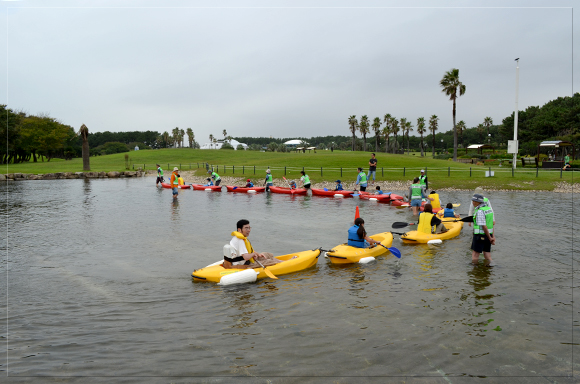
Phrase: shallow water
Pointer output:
(98, 284)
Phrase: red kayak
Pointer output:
(394, 196)
(380, 198)
(322, 192)
(167, 185)
(298, 191)
(232, 188)
(398, 203)
(214, 188)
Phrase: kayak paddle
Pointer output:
(266, 270)
(287, 182)
(400, 224)
(393, 250)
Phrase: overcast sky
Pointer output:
(280, 68)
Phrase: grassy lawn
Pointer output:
(390, 167)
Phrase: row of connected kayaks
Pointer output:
(340, 254)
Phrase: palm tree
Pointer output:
(451, 85)
(190, 137)
(395, 130)
(225, 133)
(211, 140)
(403, 124)
(181, 136)
(408, 128)
(353, 124)
(487, 122)
(175, 132)
(433, 127)
(364, 129)
(84, 132)
(480, 129)
(387, 132)
(460, 128)
(377, 129)
(165, 139)
(421, 130)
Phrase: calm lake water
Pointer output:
(97, 278)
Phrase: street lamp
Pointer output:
(442, 147)
(489, 138)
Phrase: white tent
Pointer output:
(293, 142)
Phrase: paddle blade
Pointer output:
(269, 273)
(325, 189)
(356, 214)
(400, 224)
(235, 187)
(395, 252)
(468, 219)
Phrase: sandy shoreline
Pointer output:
(387, 186)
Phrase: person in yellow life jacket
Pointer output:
(245, 255)
(180, 180)
(435, 202)
(429, 223)
(483, 234)
(174, 181)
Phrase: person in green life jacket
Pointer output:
(483, 234)
(268, 182)
(217, 179)
(479, 191)
(423, 180)
(361, 180)
(566, 159)
(159, 175)
(305, 180)
(416, 195)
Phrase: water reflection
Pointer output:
(242, 301)
(480, 304)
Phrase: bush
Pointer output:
(110, 148)
(444, 157)
(227, 145)
(240, 147)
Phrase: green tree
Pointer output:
(377, 128)
(421, 130)
(387, 130)
(487, 122)
(364, 129)
(84, 133)
(460, 129)
(433, 126)
(395, 130)
(353, 125)
(175, 133)
(406, 129)
(480, 129)
(190, 137)
(452, 87)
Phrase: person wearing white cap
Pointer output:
(483, 236)
(268, 182)
(174, 181)
(423, 180)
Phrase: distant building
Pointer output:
(218, 145)
(293, 143)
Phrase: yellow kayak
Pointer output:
(453, 230)
(346, 254)
(291, 264)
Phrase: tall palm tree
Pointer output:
(353, 124)
(211, 140)
(433, 127)
(480, 129)
(451, 87)
(421, 130)
(395, 130)
(181, 136)
(387, 133)
(487, 122)
(364, 129)
(175, 133)
(225, 133)
(84, 132)
(190, 137)
(460, 128)
(408, 128)
(377, 129)
(403, 123)
(165, 139)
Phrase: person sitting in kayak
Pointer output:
(429, 223)
(293, 184)
(209, 183)
(338, 186)
(249, 184)
(216, 177)
(449, 211)
(245, 255)
(357, 235)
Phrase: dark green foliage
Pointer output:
(100, 138)
(227, 145)
(110, 148)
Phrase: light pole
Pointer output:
(442, 147)
(489, 138)
(514, 160)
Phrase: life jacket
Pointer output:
(477, 230)
(249, 185)
(379, 192)
(422, 180)
(448, 212)
(174, 181)
(215, 176)
(436, 203)
(306, 179)
(416, 191)
(269, 178)
(248, 247)
(180, 181)
(339, 187)
(363, 178)
(424, 225)
(159, 171)
(353, 239)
